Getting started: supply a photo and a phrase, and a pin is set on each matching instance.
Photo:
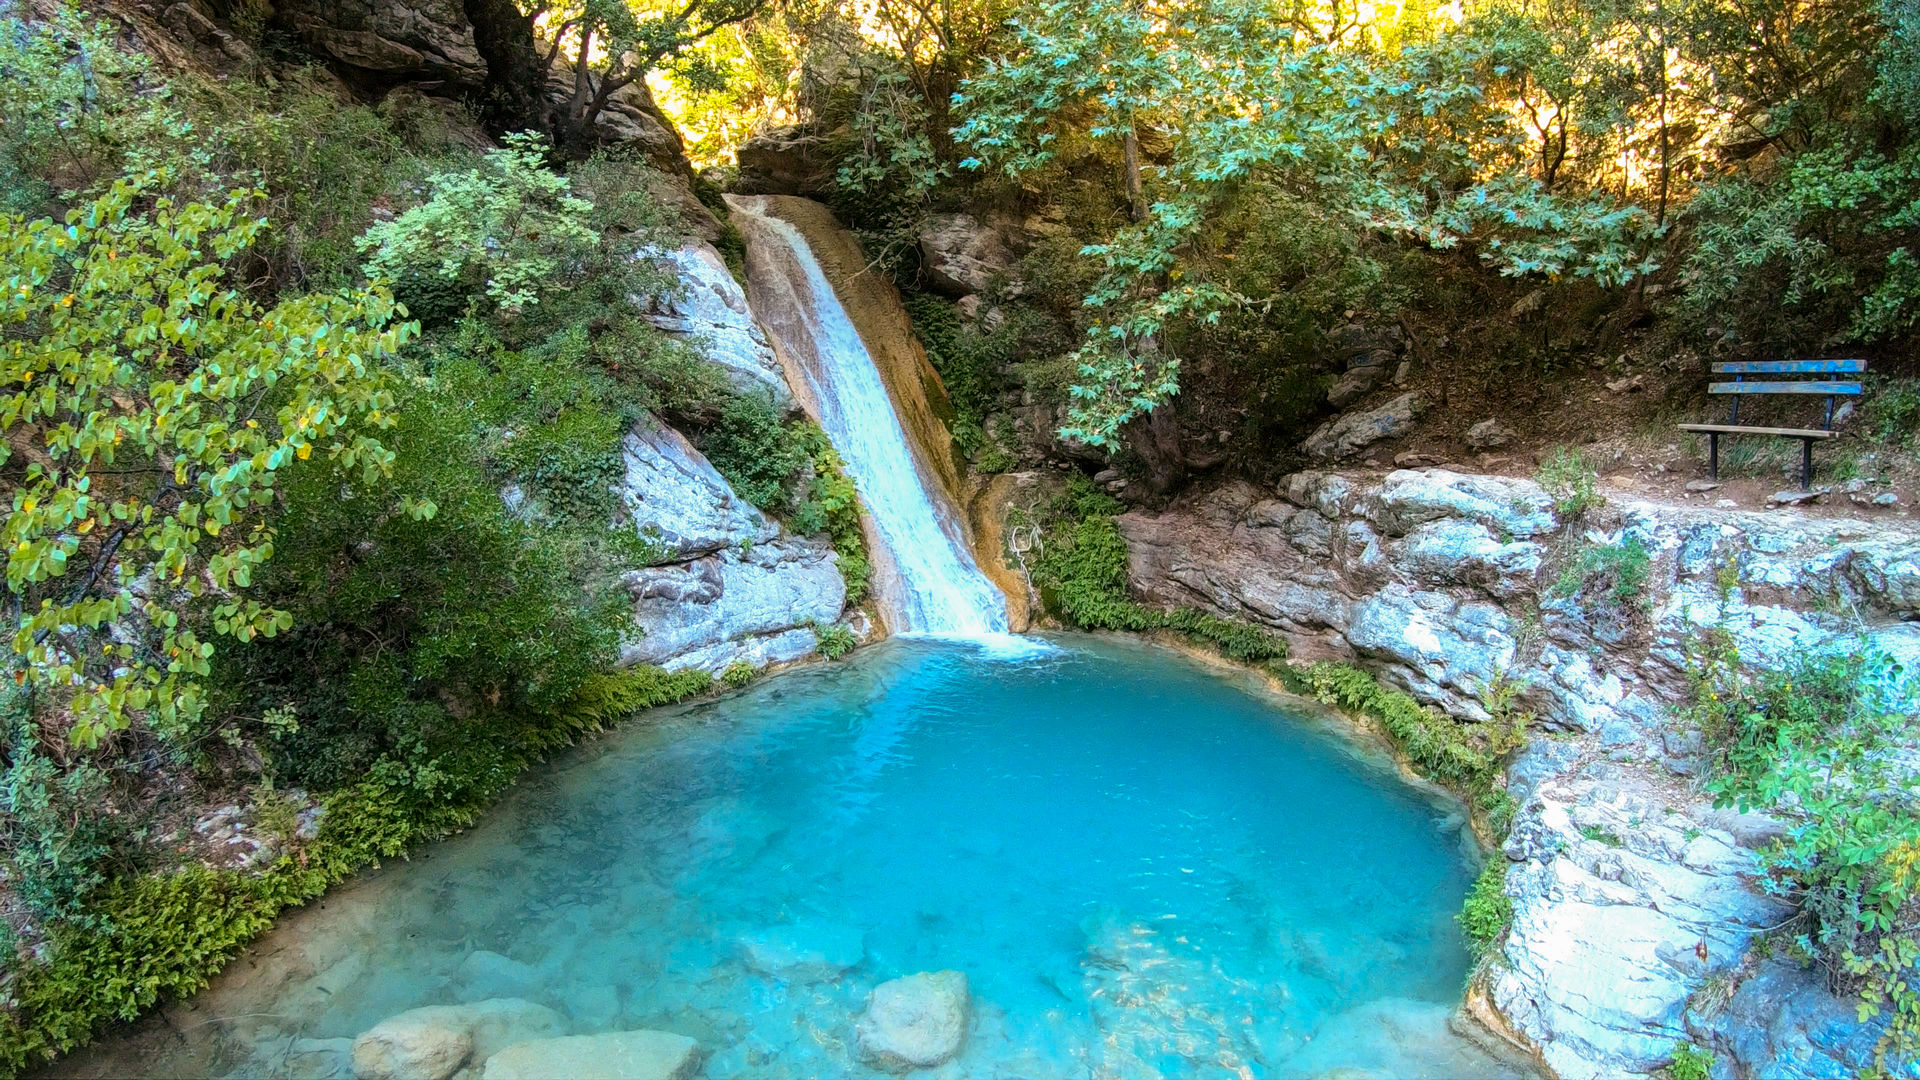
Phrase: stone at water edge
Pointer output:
(614, 1055)
(420, 1044)
(432, 1042)
(915, 1022)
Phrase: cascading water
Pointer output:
(941, 590)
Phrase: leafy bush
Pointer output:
(738, 674)
(1571, 481)
(508, 230)
(1488, 911)
(1820, 744)
(165, 403)
(836, 641)
(54, 833)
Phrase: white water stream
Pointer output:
(943, 593)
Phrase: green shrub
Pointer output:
(1464, 756)
(55, 833)
(1571, 481)
(1690, 1063)
(1488, 911)
(738, 674)
(836, 641)
(508, 230)
(757, 452)
(165, 367)
(1618, 572)
(1081, 573)
(1820, 744)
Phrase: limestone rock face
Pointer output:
(1630, 890)
(615, 1055)
(731, 585)
(962, 255)
(915, 1022)
(1348, 434)
(710, 311)
(675, 496)
(420, 39)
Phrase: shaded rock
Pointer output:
(1630, 384)
(1702, 485)
(1346, 435)
(1886, 498)
(1796, 498)
(962, 255)
(1488, 434)
(1354, 385)
(615, 1055)
(915, 1022)
(804, 952)
(783, 161)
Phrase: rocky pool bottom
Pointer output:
(1104, 861)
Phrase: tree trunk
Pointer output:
(516, 97)
(1136, 200)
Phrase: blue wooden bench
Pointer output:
(1822, 382)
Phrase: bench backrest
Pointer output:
(1742, 369)
(1828, 386)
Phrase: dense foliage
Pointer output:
(1081, 572)
(1823, 744)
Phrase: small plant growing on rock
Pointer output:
(738, 674)
(836, 641)
(1822, 743)
(1690, 1063)
(1570, 481)
(1488, 911)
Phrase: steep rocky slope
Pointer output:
(1631, 892)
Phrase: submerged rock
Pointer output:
(915, 1022)
(804, 952)
(431, 1043)
(615, 1055)
(420, 1044)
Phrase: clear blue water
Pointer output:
(1146, 868)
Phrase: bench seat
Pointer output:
(1736, 429)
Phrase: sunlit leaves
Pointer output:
(147, 405)
(504, 229)
(1407, 141)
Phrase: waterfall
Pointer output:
(940, 590)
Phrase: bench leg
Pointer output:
(1713, 455)
(1806, 464)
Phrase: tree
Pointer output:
(147, 406)
(602, 47)
(1413, 140)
